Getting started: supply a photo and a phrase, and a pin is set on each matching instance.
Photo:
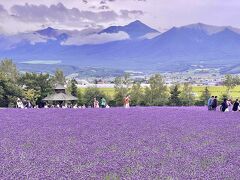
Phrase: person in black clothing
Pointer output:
(41, 104)
(224, 105)
(214, 103)
(25, 103)
(29, 105)
(236, 105)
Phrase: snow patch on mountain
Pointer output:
(96, 38)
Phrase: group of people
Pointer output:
(213, 103)
(23, 104)
(226, 106)
(102, 103)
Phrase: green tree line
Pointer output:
(35, 87)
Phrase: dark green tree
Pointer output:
(205, 96)
(9, 92)
(174, 99)
(74, 89)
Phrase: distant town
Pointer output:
(197, 77)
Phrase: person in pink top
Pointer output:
(95, 103)
(127, 101)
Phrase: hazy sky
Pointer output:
(25, 15)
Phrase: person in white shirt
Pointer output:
(19, 103)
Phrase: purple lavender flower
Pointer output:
(137, 143)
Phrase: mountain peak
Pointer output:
(208, 29)
(49, 31)
(134, 29)
(198, 25)
(137, 22)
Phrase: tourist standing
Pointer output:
(215, 103)
(224, 106)
(19, 103)
(236, 105)
(29, 105)
(127, 101)
(229, 103)
(25, 103)
(95, 103)
(210, 101)
(103, 102)
(41, 104)
(75, 106)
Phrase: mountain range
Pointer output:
(135, 46)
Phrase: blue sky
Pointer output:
(26, 15)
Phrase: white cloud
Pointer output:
(61, 15)
(10, 25)
(10, 41)
(96, 38)
(156, 13)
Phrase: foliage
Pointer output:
(205, 96)
(72, 87)
(59, 77)
(42, 84)
(230, 82)
(224, 96)
(35, 87)
(32, 95)
(91, 93)
(122, 87)
(137, 94)
(9, 92)
(187, 95)
(80, 97)
(156, 94)
(174, 99)
(9, 70)
(9, 89)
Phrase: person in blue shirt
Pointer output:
(215, 103)
(103, 102)
(210, 101)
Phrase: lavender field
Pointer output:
(138, 143)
